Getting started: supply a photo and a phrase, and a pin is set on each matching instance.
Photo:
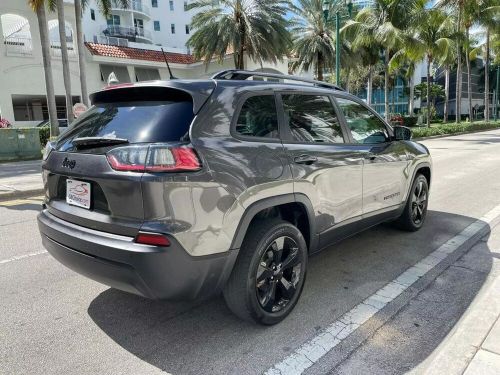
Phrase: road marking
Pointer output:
(19, 257)
(311, 351)
(19, 202)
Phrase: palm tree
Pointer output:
(59, 6)
(384, 23)
(488, 17)
(39, 7)
(446, 61)
(431, 40)
(254, 27)
(105, 7)
(314, 36)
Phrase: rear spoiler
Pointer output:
(196, 91)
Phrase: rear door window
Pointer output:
(312, 118)
(138, 122)
(258, 117)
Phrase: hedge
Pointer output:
(44, 135)
(446, 129)
(410, 121)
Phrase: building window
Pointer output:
(156, 25)
(113, 20)
(92, 14)
(146, 74)
(185, 6)
(172, 28)
(171, 4)
(154, 3)
(187, 29)
(139, 23)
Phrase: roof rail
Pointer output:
(235, 74)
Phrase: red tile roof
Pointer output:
(138, 54)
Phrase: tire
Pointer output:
(415, 211)
(273, 256)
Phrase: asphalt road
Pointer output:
(53, 321)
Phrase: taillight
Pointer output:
(155, 239)
(153, 158)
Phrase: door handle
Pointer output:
(305, 159)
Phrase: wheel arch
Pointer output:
(288, 206)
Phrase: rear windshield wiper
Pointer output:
(97, 141)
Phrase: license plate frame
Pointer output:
(78, 193)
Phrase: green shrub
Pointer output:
(410, 121)
(44, 135)
(445, 129)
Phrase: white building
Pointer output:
(155, 22)
(133, 58)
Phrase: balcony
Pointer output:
(136, 6)
(18, 46)
(132, 34)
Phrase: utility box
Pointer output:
(20, 144)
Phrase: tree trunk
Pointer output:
(412, 96)
(65, 59)
(467, 61)
(487, 78)
(348, 73)
(428, 101)
(458, 97)
(81, 54)
(369, 86)
(446, 92)
(320, 66)
(386, 85)
(47, 68)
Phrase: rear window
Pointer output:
(138, 122)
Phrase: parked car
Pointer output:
(182, 189)
(63, 125)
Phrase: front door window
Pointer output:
(365, 126)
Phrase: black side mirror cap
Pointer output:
(402, 133)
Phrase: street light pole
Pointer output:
(337, 48)
(326, 8)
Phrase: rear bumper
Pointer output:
(149, 271)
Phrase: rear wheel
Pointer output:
(415, 210)
(269, 274)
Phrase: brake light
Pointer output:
(155, 239)
(153, 158)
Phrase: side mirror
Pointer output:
(402, 133)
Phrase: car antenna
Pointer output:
(168, 66)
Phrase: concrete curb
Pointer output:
(16, 194)
(464, 341)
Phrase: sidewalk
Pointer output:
(20, 179)
(473, 345)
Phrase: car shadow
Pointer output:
(204, 337)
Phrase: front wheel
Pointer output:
(269, 274)
(415, 210)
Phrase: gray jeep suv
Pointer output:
(181, 189)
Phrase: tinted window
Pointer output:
(165, 121)
(312, 119)
(365, 126)
(258, 117)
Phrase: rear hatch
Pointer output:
(92, 173)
